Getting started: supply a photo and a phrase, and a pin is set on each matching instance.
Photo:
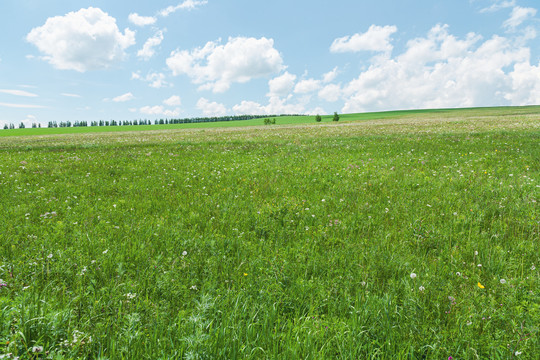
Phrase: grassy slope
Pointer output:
(285, 120)
(299, 241)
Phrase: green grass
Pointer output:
(285, 120)
(276, 242)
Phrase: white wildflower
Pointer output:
(413, 275)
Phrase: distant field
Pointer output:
(396, 235)
(286, 120)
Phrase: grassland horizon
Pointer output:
(282, 120)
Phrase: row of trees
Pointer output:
(21, 126)
(55, 124)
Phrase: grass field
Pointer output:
(286, 120)
(402, 236)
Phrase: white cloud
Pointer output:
(281, 85)
(330, 76)
(210, 108)
(330, 92)
(138, 20)
(84, 40)
(377, 38)
(17, 92)
(441, 70)
(21, 106)
(216, 66)
(147, 50)
(307, 86)
(173, 101)
(70, 95)
(123, 98)
(498, 5)
(525, 85)
(186, 5)
(275, 106)
(155, 80)
(518, 16)
(159, 110)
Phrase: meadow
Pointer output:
(410, 235)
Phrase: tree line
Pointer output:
(55, 124)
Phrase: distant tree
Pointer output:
(11, 126)
(21, 125)
(34, 125)
(6, 127)
(318, 118)
(336, 117)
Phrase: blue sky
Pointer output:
(125, 60)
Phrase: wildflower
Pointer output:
(450, 358)
(421, 288)
(2, 283)
(481, 286)
(517, 353)
(37, 349)
(184, 253)
(476, 253)
(194, 287)
(130, 295)
(245, 274)
(533, 267)
(413, 275)
(458, 274)
(479, 265)
(503, 281)
(363, 283)
(50, 256)
(105, 251)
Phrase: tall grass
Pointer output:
(414, 239)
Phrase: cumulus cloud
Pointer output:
(377, 38)
(330, 76)
(525, 85)
(173, 101)
(138, 20)
(209, 108)
(217, 66)
(155, 80)
(148, 50)
(159, 110)
(281, 85)
(275, 106)
(88, 39)
(518, 16)
(17, 92)
(306, 86)
(186, 5)
(440, 70)
(330, 92)
(123, 98)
